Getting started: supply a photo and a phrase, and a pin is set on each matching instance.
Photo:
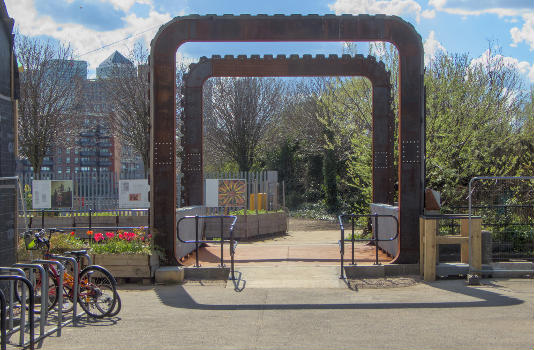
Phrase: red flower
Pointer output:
(90, 233)
(121, 236)
(110, 234)
(72, 233)
(99, 236)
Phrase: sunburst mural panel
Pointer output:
(232, 193)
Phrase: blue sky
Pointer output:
(95, 28)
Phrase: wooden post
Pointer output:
(464, 232)
(421, 245)
(430, 250)
(476, 243)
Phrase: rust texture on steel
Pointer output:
(281, 66)
(246, 28)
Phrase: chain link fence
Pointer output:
(506, 205)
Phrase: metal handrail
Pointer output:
(31, 307)
(374, 239)
(3, 321)
(197, 241)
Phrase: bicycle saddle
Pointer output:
(77, 252)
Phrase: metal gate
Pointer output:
(506, 205)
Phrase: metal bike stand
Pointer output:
(44, 293)
(76, 284)
(22, 325)
(3, 321)
(31, 308)
(60, 269)
(86, 256)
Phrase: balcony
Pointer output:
(104, 144)
(86, 142)
(104, 162)
(87, 162)
(87, 153)
(87, 134)
(105, 153)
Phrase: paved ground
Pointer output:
(440, 315)
(293, 304)
(307, 242)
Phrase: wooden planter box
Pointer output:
(126, 265)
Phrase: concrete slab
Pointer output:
(446, 314)
(169, 274)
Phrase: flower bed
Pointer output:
(126, 254)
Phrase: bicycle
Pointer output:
(97, 295)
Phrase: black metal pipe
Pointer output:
(222, 243)
(31, 313)
(376, 240)
(196, 241)
(352, 241)
(3, 321)
(232, 251)
(42, 219)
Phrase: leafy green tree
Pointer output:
(470, 114)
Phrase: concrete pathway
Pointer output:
(440, 315)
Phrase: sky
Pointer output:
(96, 28)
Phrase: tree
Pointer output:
(128, 91)
(240, 112)
(50, 86)
(472, 110)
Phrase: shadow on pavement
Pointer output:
(178, 296)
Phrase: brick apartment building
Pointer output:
(94, 149)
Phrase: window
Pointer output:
(76, 160)
(86, 168)
(67, 170)
(67, 160)
(76, 169)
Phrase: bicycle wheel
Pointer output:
(118, 306)
(98, 291)
(53, 290)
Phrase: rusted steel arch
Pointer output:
(383, 120)
(212, 28)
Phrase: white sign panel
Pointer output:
(133, 194)
(41, 198)
(212, 193)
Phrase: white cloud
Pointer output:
(428, 14)
(125, 5)
(432, 46)
(392, 7)
(502, 8)
(523, 67)
(526, 33)
(83, 39)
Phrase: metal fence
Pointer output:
(92, 190)
(506, 205)
(257, 182)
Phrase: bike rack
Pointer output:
(21, 328)
(76, 284)
(374, 239)
(3, 321)
(44, 293)
(86, 256)
(197, 241)
(11, 327)
(60, 269)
